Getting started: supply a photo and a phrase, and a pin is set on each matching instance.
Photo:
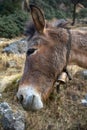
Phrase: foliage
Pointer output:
(8, 28)
(8, 6)
(75, 1)
(60, 14)
(12, 18)
(12, 25)
(83, 13)
(51, 8)
(84, 2)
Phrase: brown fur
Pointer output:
(78, 53)
(47, 64)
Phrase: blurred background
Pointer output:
(14, 13)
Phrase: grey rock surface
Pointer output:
(11, 120)
(17, 47)
(84, 74)
(0, 96)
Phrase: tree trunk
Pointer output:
(74, 15)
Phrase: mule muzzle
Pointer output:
(29, 98)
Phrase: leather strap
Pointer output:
(68, 47)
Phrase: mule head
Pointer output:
(43, 63)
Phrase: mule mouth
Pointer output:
(29, 98)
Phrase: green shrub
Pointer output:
(49, 12)
(83, 13)
(13, 24)
(20, 17)
(50, 8)
(66, 2)
(60, 14)
(9, 6)
(8, 28)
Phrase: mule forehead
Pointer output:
(38, 40)
(50, 37)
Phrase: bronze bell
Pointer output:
(63, 78)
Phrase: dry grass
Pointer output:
(12, 63)
(6, 60)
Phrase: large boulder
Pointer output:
(11, 120)
(17, 47)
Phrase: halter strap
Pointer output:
(68, 47)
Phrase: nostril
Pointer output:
(21, 98)
(31, 100)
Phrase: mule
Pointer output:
(49, 50)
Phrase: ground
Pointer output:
(62, 111)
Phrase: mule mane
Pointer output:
(29, 29)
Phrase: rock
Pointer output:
(83, 21)
(1, 40)
(84, 74)
(79, 7)
(4, 107)
(0, 95)
(60, 23)
(17, 47)
(84, 102)
(11, 120)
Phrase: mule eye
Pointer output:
(31, 51)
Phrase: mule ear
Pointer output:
(38, 18)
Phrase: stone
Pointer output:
(11, 120)
(84, 102)
(60, 23)
(0, 96)
(4, 107)
(79, 7)
(84, 74)
(18, 47)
